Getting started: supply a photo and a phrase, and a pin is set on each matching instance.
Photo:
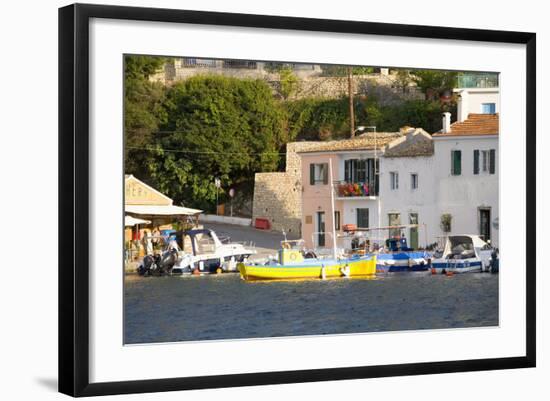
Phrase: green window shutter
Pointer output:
(312, 174)
(456, 162)
(476, 161)
(354, 170)
(325, 173)
(347, 174)
(492, 160)
(452, 162)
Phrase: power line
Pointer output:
(204, 152)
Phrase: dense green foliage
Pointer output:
(342, 71)
(216, 127)
(434, 81)
(323, 119)
(143, 110)
(179, 138)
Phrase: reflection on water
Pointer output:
(167, 309)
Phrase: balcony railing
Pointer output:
(478, 80)
(345, 189)
(198, 62)
(240, 64)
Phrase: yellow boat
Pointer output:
(291, 264)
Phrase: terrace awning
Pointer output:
(130, 221)
(161, 210)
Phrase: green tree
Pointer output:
(433, 82)
(143, 111)
(216, 127)
(289, 83)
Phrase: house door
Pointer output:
(362, 217)
(320, 229)
(485, 223)
(394, 219)
(413, 231)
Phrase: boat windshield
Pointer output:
(292, 244)
(462, 246)
(205, 243)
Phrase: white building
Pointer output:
(477, 101)
(455, 191)
(407, 183)
(466, 173)
(379, 179)
(447, 183)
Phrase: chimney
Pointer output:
(410, 134)
(407, 131)
(446, 122)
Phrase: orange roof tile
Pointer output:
(475, 124)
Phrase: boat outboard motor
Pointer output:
(165, 262)
(146, 265)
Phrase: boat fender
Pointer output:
(323, 272)
(345, 271)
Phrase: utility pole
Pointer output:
(351, 111)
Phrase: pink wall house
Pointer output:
(317, 213)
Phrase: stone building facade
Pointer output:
(311, 83)
(278, 195)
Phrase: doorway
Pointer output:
(413, 231)
(485, 223)
(320, 229)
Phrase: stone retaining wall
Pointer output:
(278, 196)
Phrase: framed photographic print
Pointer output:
(252, 199)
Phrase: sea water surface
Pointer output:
(189, 308)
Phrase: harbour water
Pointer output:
(169, 309)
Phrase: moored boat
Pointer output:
(204, 253)
(294, 263)
(392, 254)
(409, 261)
(465, 254)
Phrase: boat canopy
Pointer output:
(463, 244)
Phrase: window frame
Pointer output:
(313, 174)
(414, 181)
(454, 170)
(492, 106)
(394, 180)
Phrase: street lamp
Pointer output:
(218, 184)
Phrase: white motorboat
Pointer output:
(464, 254)
(203, 252)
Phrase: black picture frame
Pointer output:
(74, 198)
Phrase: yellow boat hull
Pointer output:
(345, 268)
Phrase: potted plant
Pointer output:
(446, 220)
